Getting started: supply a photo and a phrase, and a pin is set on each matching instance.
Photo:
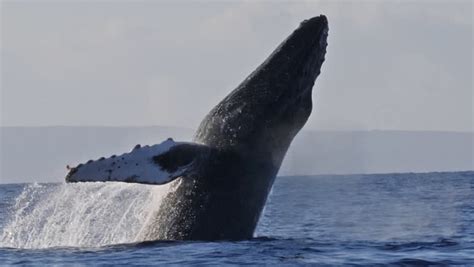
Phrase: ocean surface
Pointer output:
(352, 220)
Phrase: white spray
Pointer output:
(82, 215)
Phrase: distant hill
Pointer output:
(379, 152)
(42, 153)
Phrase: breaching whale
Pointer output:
(222, 178)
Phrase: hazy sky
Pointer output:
(391, 65)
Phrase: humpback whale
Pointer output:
(222, 179)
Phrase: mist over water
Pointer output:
(81, 215)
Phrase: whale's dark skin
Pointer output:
(245, 138)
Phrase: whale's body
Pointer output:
(222, 180)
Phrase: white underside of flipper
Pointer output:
(137, 166)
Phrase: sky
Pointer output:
(390, 65)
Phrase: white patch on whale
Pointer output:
(136, 166)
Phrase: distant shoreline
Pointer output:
(29, 152)
(192, 129)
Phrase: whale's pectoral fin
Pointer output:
(157, 164)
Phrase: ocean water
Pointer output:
(358, 220)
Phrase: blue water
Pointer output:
(358, 220)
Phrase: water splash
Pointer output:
(82, 215)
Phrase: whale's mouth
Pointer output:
(307, 48)
(302, 55)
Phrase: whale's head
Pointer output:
(269, 107)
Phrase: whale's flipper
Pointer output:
(157, 164)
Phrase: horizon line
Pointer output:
(295, 175)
